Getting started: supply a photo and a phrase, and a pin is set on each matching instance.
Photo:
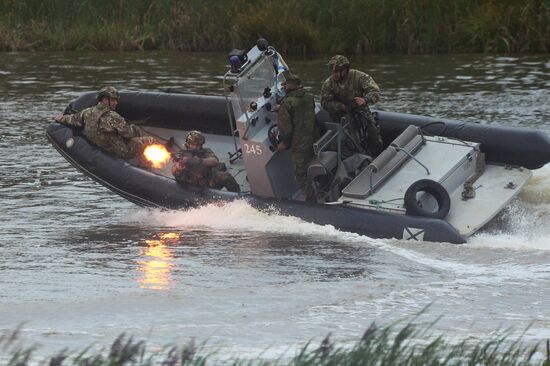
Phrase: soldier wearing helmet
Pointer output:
(349, 93)
(195, 138)
(298, 130)
(107, 129)
(109, 92)
(199, 166)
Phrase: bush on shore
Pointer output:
(297, 27)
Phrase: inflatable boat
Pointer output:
(436, 180)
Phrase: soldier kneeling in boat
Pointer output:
(349, 93)
(107, 129)
(201, 167)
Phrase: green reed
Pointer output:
(412, 344)
(298, 27)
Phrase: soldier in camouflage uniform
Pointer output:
(348, 93)
(199, 166)
(298, 131)
(107, 129)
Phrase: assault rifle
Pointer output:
(184, 153)
(361, 118)
(191, 155)
(351, 106)
(194, 161)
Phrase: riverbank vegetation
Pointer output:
(411, 345)
(297, 27)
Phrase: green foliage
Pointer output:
(412, 344)
(298, 27)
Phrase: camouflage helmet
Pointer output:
(338, 62)
(292, 78)
(195, 137)
(108, 91)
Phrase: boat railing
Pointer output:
(334, 131)
(231, 117)
(325, 161)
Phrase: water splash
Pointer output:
(523, 226)
(537, 191)
(524, 223)
(238, 216)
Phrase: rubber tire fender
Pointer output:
(434, 189)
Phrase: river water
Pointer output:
(80, 265)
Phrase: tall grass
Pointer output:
(411, 345)
(298, 27)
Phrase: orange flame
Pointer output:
(157, 155)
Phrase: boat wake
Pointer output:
(523, 224)
(238, 216)
(537, 191)
(520, 227)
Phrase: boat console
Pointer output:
(253, 90)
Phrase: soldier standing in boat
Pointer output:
(298, 131)
(199, 166)
(349, 93)
(107, 129)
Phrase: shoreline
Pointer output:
(296, 28)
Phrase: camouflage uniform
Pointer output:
(200, 175)
(336, 94)
(299, 131)
(109, 131)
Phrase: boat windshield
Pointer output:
(251, 85)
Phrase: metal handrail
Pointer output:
(232, 122)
